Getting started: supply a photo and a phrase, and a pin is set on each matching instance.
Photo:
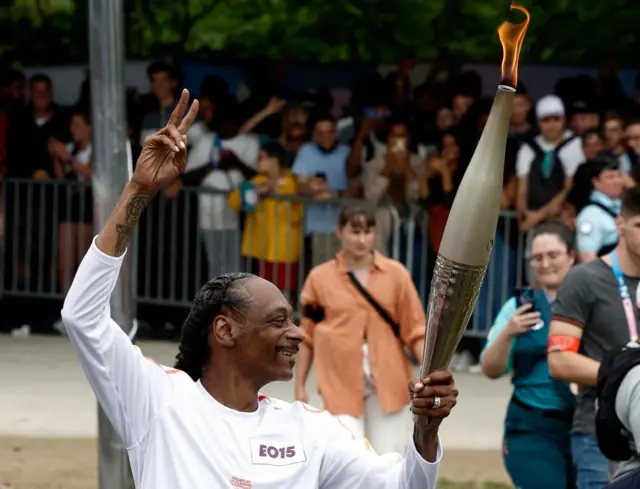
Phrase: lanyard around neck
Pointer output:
(627, 305)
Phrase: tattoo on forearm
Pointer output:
(135, 207)
(124, 236)
(133, 211)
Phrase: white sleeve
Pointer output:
(196, 133)
(572, 157)
(130, 388)
(523, 160)
(200, 154)
(348, 462)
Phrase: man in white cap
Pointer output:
(545, 165)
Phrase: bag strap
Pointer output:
(564, 143)
(378, 308)
(603, 207)
(538, 151)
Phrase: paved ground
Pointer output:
(48, 417)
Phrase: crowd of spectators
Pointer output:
(274, 166)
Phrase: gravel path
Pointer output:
(49, 424)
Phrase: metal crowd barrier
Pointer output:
(45, 229)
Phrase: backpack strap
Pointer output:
(557, 149)
(564, 143)
(603, 207)
(533, 144)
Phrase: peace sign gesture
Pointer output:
(164, 154)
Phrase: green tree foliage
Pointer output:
(561, 31)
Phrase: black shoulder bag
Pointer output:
(613, 438)
(384, 314)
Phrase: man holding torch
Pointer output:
(204, 423)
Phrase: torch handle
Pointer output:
(454, 290)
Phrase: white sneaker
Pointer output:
(455, 360)
(59, 327)
(475, 369)
(22, 332)
(465, 360)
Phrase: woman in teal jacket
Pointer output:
(537, 446)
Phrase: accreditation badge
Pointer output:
(585, 227)
(248, 197)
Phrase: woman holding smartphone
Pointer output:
(539, 416)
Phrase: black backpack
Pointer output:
(627, 481)
(543, 188)
(614, 439)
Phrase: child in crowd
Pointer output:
(272, 237)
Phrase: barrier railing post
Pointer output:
(397, 230)
(411, 234)
(3, 236)
(172, 264)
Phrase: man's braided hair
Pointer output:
(222, 295)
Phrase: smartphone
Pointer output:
(525, 295)
(321, 175)
(399, 145)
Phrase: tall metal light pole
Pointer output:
(111, 168)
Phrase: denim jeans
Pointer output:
(591, 466)
(223, 250)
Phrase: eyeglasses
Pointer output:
(538, 258)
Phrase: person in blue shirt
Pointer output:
(537, 445)
(596, 227)
(321, 175)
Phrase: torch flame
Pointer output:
(511, 38)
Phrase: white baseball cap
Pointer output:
(549, 106)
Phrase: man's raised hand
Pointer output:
(164, 154)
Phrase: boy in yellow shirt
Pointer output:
(272, 234)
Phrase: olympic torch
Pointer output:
(467, 242)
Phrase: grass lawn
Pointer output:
(53, 463)
(446, 484)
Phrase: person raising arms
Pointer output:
(204, 422)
